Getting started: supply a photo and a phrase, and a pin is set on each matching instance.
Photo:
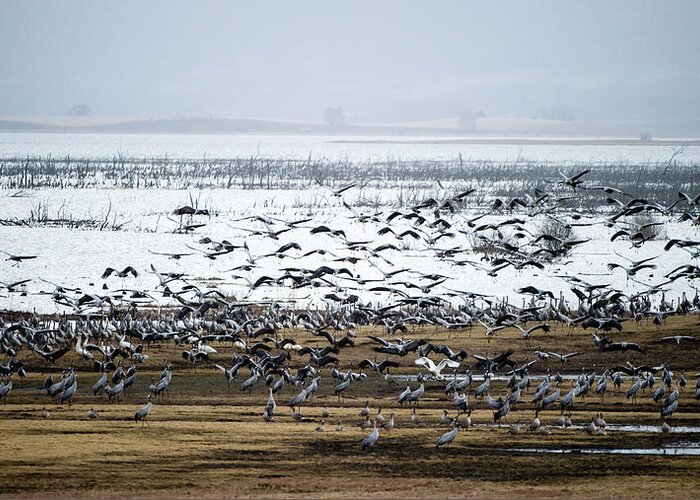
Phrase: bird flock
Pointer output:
(361, 297)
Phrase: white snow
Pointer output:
(77, 257)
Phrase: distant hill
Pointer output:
(488, 126)
(204, 126)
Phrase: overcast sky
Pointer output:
(382, 61)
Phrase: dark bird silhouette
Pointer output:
(378, 367)
(574, 180)
(128, 270)
(622, 347)
(18, 258)
(680, 243)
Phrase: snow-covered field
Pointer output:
(76, 257)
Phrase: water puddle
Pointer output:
(675, 429)
(654, 429)
(665, 450)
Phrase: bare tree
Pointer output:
(334, 116)
(466, 120)
(80, 110)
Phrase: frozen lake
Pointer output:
(324, 146)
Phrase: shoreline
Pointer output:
(527, 142)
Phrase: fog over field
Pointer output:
(607, 63)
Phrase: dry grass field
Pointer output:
(207, 440)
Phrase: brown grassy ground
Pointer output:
(207, 440)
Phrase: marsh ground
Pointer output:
(208, 440)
